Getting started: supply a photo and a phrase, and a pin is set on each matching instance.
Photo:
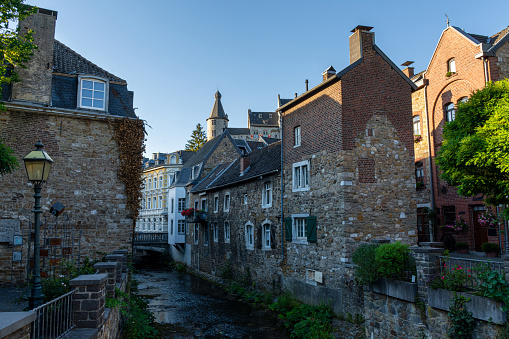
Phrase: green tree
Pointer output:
(474, 155)
(198, 138)
(15, 51)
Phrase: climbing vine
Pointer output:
(130, 136)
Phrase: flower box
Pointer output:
(482, 308)
(395, 288)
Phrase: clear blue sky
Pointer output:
(175, 54)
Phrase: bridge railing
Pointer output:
(150, 238)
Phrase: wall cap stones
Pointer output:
(10, 322)
(89, 279)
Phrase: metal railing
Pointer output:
(469, 267)
(150, 238)
(54, 319)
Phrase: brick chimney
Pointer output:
(329, 72)
(409, 71)
(244, 163)
(361, 43)
(35, 82)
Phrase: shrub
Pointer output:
(306, 321)
(367, 269)
(462, 321)
(461, 246)
(392, 259)
(490, 247)
(284, 303)
(493, 285)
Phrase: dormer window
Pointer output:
(93, 93)
(451, 65)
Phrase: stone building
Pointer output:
(69, 104)
(348, 166)
(158, 174)
(461, 63)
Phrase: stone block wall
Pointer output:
(83, 177)
(503, 61)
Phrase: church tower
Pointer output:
(218, 120)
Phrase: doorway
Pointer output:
(480, 232)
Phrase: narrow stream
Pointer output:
(202, 309)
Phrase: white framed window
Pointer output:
(171, 227)
(266, 236)
(154, 203)
(148, 203)
(267, 195)
(300, 176)
(216, 204)
(249, 236)
(417, 125)
(297, 136)
(450, 112)
(149, 184)
(196, 233)
(160, 201)
(161, 181)
(181, 226)
(204, 204)
(299, 228)
(173, 159)
(245, 199)
(172, 205)
(155, 182)
(181, 204)
(93, 93)
(227, 202)
(216, 232)
(462, 100)
(143, 205)
(451, 65)
(226, 231)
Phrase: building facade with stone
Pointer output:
(69, 104)
(461, 63)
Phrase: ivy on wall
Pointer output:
(130, 136)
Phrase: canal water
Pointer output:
(193, 307)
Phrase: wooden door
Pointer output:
(480, 232)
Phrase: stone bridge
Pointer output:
(149, 242)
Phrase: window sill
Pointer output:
(300, 241)
(267, 206)
(250, 248)
(295, 146)
(302, 189)
(265, 249)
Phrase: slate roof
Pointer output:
(242, 143)
(500, 37)
(183, 177)
(495, 38)
(67, 61)
(212, 176)
(217, 110)
(186, 155)
(208, 148)
(237, 131)
(255, 144)
(261, 162)
(282, 102)
(263, 118)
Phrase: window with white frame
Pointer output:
(216, 203)
(161, 181)
(245, 199)
(143, 205)
(196, 233)
(171, 227)
(297, 136)
(226, 231)
(154, 203)
(227, 202)
(148, 203)
(93, 93)
(249, 236)
(450, 112)
(216, 232)
(451, 65)
(301, 176)
(172, 205)
(204, 204)
(267, 195)
(181, 204)
(149, 184)
(299, 222)
(417, 125)
(266, 236)
(181, 227)
(173, 159)
(160, 201)
(155, 182)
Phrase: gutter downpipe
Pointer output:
(282, 186)
(431, 231)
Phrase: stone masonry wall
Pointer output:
(261, 265)
(503, 61)
(83, 178)
(224, 152)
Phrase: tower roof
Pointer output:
(217, 110)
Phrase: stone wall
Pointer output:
(83, 177)
(503, 61)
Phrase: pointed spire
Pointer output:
(217, 110)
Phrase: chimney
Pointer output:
(35, 82)
(307, 85)
(361, 42)
(409, 71)
(329, 72)
(244, 163)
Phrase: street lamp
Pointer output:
(38, 164)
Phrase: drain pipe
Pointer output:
(432, 231)
(282, 186)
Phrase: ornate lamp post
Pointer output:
(38, 164)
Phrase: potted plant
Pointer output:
(492, 250)
(462, 247)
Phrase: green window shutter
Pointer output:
(311, 229)
(288, 229)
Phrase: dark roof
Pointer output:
(186, 155)
(263, 118)
(418, 76)
(67, 61)
(213, 175)
(267, 140)
(242, 143)
(237, 131)
(218, 111)
(282, 102)
(208, 148)
(255, 144)
(261, 161)
(495, 38)
(481, 38)
(183, 177)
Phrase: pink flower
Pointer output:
(443, 277)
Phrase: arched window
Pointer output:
(450, 112)
(451, 65)
(173, 159)
(249, 236)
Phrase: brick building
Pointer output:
(68, 103)
(461, 63)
